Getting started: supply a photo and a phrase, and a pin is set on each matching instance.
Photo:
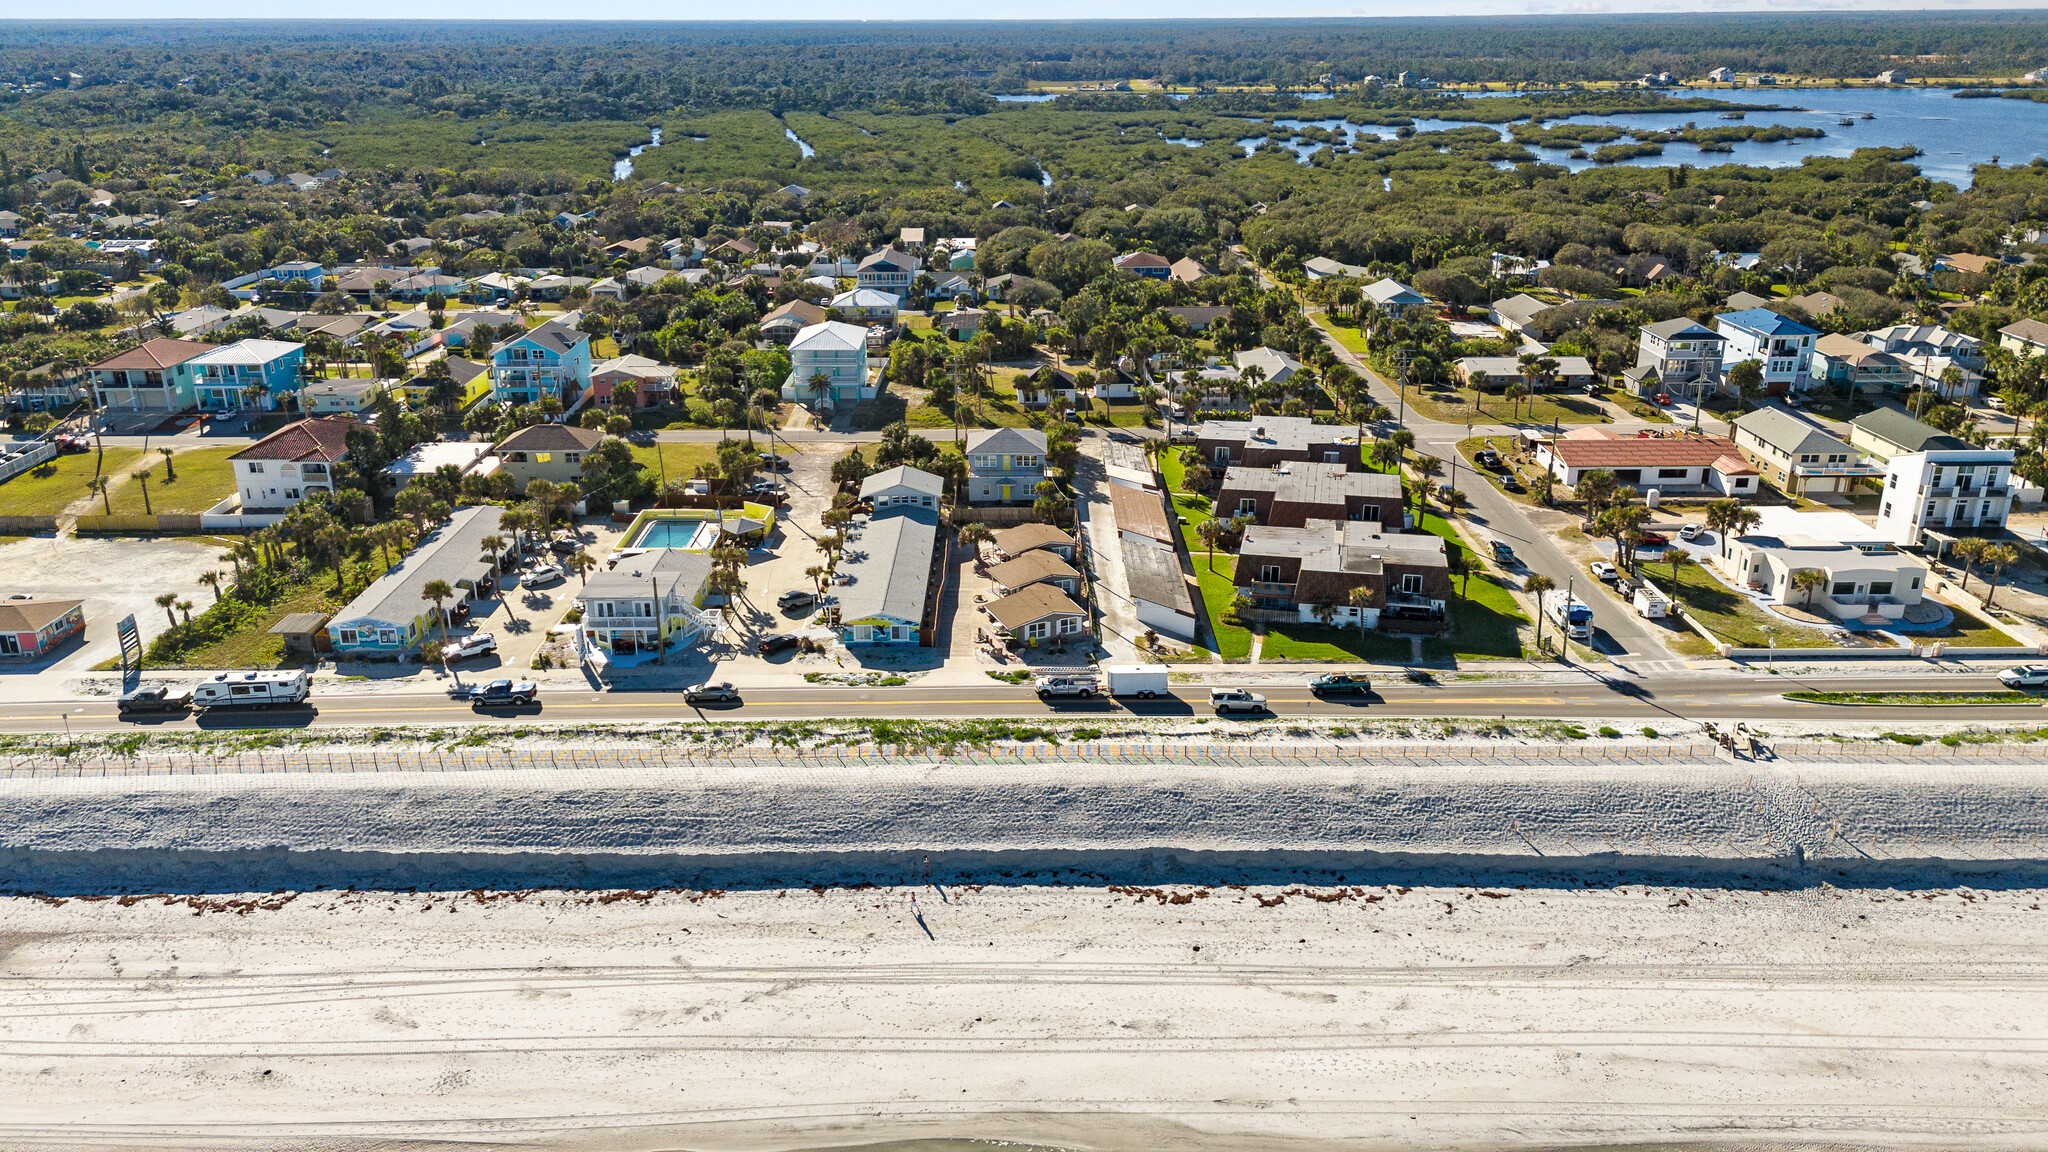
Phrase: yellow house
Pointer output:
(473, 378)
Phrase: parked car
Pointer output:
(1604, 571)
(504, 693)
(1655, 540)
(1487, 458)
(1690, 532)
(1228, 700)
(774, 463)
(720, 693)
(1594, 390)
(1625, 588)
(1502, 552)
(155, 698)
(1338, 684)
(796, 598)
(463, 649)
(565, 546)
(779, 642)
(2025, 676)
(1512, 483)
(542, 576)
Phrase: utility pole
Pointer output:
(1402, 419)
(660, 623)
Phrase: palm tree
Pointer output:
(1678, 558)
(972, 535)
(1211, 531)
(1999, 556)
(1969, 550)
(582, 562)
(1809, 581)
(185, 607)
(1728, 519)
(212, 580)
(98, 486)
(494, 551)
(170, 473)
(142, 477)
(1515, 394)
(168, 601)
(438, 591)
(1536, 585)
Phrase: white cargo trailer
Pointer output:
(1144, 681)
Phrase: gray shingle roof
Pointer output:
(451, 552)
(1006, 441)
(1909, 434)
(893, 568)
(903, 475)
(1154, 576)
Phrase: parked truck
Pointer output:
(1569, 614)
(1065, 687)
(1144, 681)
(252, 689)
(1649, 603)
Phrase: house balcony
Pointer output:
(1826, 470)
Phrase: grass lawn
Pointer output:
(1218, 589)
(1315, 642)
(1352, 339)
(254, 646)
(48, 490)
(1454, 405)
(1726, 613)
(676, 461)
(1968, 630)
(205, 478)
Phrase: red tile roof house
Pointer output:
(1663, 463)
(32, 628)
(291, 463)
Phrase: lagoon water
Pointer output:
(1954, 136)
(623, 168)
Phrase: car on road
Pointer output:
(1690, 532)
(778, 642)
(542, 576)
(796, 598)
(1602, 570)
(1339, 684)
(1228, 700)
(155, 698)
(1503, 553)
(2025, 676)
(504, 694)
(707, 693)
(468, 646)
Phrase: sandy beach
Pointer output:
(1081, 1016)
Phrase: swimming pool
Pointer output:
(666, 532)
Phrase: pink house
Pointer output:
(32, 628)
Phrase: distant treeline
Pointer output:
(283, 74)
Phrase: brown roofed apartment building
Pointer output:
(1265, 441)
(1288, 572)
(1290, 495)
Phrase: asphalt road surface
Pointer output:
(1594, 698)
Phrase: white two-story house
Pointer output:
(1949, 487)
(551, 360)
(291, 463)
(1779, 345)
(838, 352)
(648, 603)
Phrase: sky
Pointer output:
(953, 10)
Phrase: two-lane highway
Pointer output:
(1593, 697)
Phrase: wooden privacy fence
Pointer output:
(165, 522)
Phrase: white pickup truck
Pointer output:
(1069, 687)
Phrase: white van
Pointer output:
(252, 689)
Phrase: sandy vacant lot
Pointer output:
(1080, 1016)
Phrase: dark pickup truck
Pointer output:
(155, 698)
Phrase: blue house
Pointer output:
(552, 360)
(247, 374)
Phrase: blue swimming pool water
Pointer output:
(691, 534)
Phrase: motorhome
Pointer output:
(1569, 614)
(252, 689)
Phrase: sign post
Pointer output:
(131, 644)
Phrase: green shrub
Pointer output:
(1904, 738)
(1649, 731)
(1610, 733)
